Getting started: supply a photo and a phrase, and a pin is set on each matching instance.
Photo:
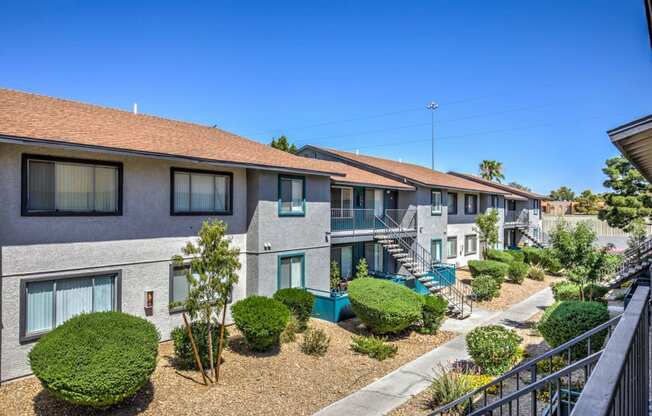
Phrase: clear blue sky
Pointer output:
(534, 85)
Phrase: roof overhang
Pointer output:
(634, 140)
(344, 182)
(128, 152)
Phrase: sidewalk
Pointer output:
(389, 392)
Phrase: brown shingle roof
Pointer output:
(356, 176)
(507, 188)
(40, 118)
(415, 173)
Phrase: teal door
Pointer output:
(435, 251)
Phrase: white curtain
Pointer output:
(74, 185)
(39, 306)
(295, 280)
(436, 202)
(221, 192)
(103, 294)
(202, 192)
(452, 247)
(106, 189)
(181, 192)
(297, 195)
(347, 261)
(378, 202)
(41, 185)
(74, 296)
(179, 285)
(378, 257)
(286, 273)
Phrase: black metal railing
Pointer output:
(619, 384)
(365, 220)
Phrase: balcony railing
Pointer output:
(517, 218)
(367, 220)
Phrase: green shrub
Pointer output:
(433, 313)
(536, 272)
(315, 342)
(517, 272)
(383, 306)
(492, 268)
(485, 288)
(564, 321)
(184, 355)
(448, 386)
(96, 359)
(518, 255)
(300, 302)
(565, 290)
(533, 255)
(550, 262)
(261, 320)
(499, 255)
(595, 292)
(289, 334)
(373, 347)
(493, 348)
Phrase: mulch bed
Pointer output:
(281, 382)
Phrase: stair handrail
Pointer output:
(633, 256)
(530, 367)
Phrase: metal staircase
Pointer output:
(418, 262)
(528, 232)
(637, 260)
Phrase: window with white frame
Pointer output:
(198, 192)
(60, 186)
(49, 303)
(291, 195)
(470, 244)
(342, 202)
(470, 204)
(451, 247)
(435, 202)
(291, 271)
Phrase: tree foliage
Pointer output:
(587, 203)
(631, 198)
(492, 170)
(563, 193)
(282, 143)
(519, 186)
(362, 269)
(486, 225)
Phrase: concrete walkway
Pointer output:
(389, 392)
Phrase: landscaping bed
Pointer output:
(283, 381)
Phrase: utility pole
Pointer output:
(432, 107)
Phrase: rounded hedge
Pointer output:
(495, 269)
(433, 313)
(261, 320)
(300, 302)
(183, 352)
(493, 348)
(564, 321)
(96, 359)
(517, 272)
(485, 288)
(383, 306)
(517, 255)
(498, 255)
(533, 255)
(565, 290)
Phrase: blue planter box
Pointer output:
(332, 308)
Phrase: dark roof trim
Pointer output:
(507, 188)
(371, 185)
(631, 128)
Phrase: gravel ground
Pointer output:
(510, 293)
(283, 382)
(533, 344)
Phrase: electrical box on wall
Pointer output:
(149, 302)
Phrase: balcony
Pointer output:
(349, 222)
(517, 219)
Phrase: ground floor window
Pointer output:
(180, 287)
(435, 250)
(470, 244)
(343, 255)
(291, 271)
(373, 253)
(510, 238)
(451, 248)
(49, 303)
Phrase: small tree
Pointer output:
(335, 275)
(362, 270)
(211, 277)
(486, 225)
(282, 143)
(587, 203)
(564, 193)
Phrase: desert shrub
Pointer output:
(517, 272)
(485, 288)
(548, 366)
(261, 320)
(536, 272)
(433, 313)
(499, 255)
(300, 302)
(493, 348)
(448, 386)
(96, 359)
(492, 268)
(563, 321)
(315, 342)
(479, 380)
(533, 255)
(517, 255)
(383, 306)
(183, 353)
(289, 334)
(565, 290)
(374, 347)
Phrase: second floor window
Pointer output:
(201, 192)
(511, 205)
(470, 204)
(495, 202)
(470, 244)
(452, 203)
(59, 186)
(435, 203)
(536, 206)
(291, 195)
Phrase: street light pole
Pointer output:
(432, 107)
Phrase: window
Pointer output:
(470, 204)
(435, 250)
(343, 256)
(59, 186)
(495, 202)
(451, 248)
(511, 205)
(291, 195)
(179, 287)
(435, 203)
(470, 244)
(373, 253)
(536, 204)
(452, 203)
(291, 271)
(47, 304)
(342, 202)
(199, 192)
(374, 199)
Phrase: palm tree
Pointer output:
(492, 170)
